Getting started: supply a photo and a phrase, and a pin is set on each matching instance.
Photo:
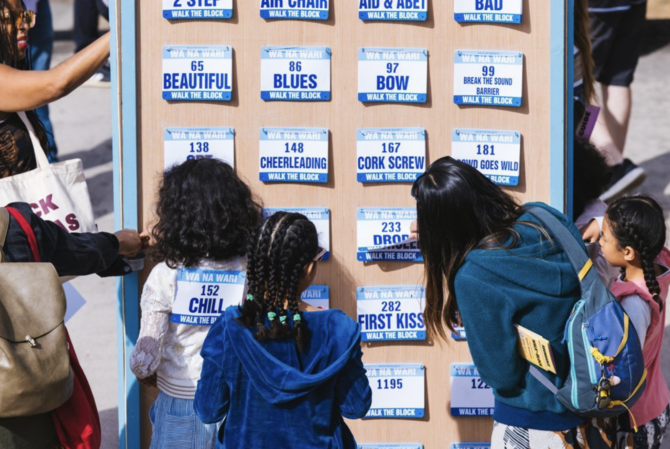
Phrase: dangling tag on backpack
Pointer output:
(202, 295)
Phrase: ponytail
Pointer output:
(638, 222)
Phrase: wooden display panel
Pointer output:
(344, 33)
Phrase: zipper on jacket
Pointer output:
(571, 350)
(587, 348)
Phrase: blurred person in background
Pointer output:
(23, 90)
(86, 16)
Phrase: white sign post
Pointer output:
(203, 73)
(293, 155)
(393, 75)
(390, 154)
(202, 295)
(492, 11)
(383, 234)
(398, 391)
(295, 73)
(488, 78)
(197, 9)
(496, 154)
(391, 313)
(470, 396)
(182, 144)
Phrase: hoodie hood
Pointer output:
(535, 263)
(278, 372)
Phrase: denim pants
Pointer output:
(41, 49)
(175, 425)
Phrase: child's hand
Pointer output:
(147, 239)
(149, 381)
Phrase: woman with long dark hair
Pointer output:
(490, 265)
(23, 90)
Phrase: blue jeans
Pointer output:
(175, 425)
(41, 49)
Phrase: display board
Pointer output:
(330, 99)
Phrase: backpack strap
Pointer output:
(573, 250)
(28, 230)
(4, 225)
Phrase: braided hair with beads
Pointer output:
(280, 250)
(638, 222)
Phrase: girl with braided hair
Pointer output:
(633, 239)
(282, 373)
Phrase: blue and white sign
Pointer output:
(496, 154)
(492, 11)
(182, 144)
(470, 396)
(392, 75)
(383, 234)
(390, 154)
(398, 391)
(488, 78)
(391, 446)
(460, 334)
(295, 73)
(203, 73)
(317, 296)
(295, 9)
(393, 10)
(470, 446)
(294, 155)
(197, 9)
(320, 216)
(202, 295)
(391, 313)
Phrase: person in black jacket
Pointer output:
(76, 254)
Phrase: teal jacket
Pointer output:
(533, 285)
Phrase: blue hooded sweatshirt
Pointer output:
(531, 284)
(272, 396)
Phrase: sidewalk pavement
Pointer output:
(82, 123)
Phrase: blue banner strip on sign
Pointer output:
(210, 134)
(294, 177)
(303, 53)
(383, 97)
(176, 14)
(473, 411)
(401, 256)
(306, 14)
(398, 413)
(387, 177)
(204, 95)
(392, 54)
(503, 180)
(497, 57)
(193, 319)
(295, 95)
(404, 335)
(294, 134)
(418, 16)
(487, 18)
(487, 100)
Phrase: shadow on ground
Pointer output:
(109, 420)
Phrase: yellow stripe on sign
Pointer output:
(585, 270)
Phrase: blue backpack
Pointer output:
(607, 374)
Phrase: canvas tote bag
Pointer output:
(56, 192)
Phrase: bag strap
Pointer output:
(4, 225)
(28, 230)
(578, 258)
(40, 155)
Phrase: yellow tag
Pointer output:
(536, 349)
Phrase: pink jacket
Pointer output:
(656, 395)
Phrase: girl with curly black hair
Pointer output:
(278, 361)
(633, 239)
(205, 217)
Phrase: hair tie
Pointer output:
(297, 317)
(282, 319)
(272, 316)
(250, 297)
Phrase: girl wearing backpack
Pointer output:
(633, 239)
(205, 216)
(283, 374)
(489, 264)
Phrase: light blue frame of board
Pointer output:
(124, 129)
(124, 132)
